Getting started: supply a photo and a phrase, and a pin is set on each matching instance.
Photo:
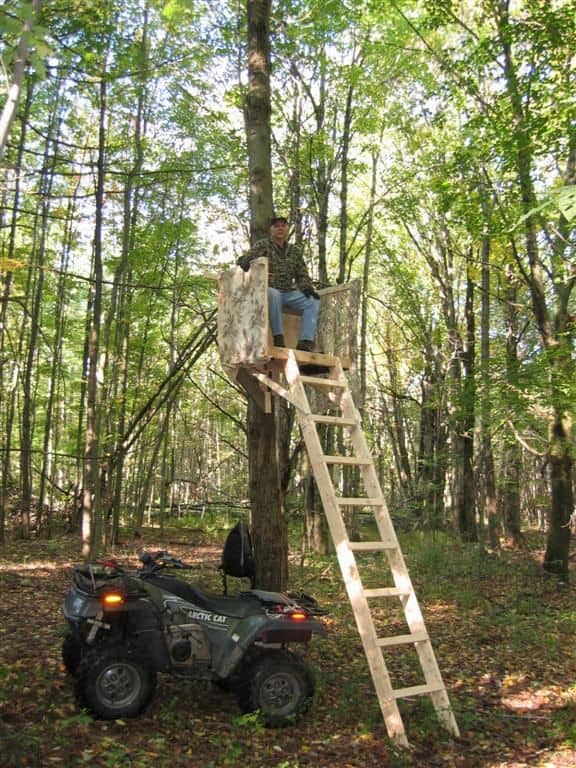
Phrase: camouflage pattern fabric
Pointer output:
(286, 267)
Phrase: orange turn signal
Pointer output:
(112, 598)
(298, 616)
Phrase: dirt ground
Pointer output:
(516, 706)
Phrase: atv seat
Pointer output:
(237, 607)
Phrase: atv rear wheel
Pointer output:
(112, 684)
(278, 684)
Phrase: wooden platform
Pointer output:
(244, 337)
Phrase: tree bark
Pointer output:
(268, 523)
(9, 391)
(512, 459)
(466, 511)
(91, 485)
(486, 473)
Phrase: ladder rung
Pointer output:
(347, 460)
(359, 502)
(415, 637)
(342, 420)
(416, 690)
(386, 592)
(318, 381)
(371, 546)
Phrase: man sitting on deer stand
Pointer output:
(289, 283)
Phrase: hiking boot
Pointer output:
(279, 340)
(304, 345)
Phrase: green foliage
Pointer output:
(431, 112)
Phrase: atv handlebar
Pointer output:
(157, 560)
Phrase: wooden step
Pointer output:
(318, 358)
(359, 501)
(339, 420)
(386, 592)
(414, 637)
(319, 381)
(416, 690)
(372, 546)
(348, 460)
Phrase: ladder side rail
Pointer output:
(386, 695)
(347, 563)
(373, 489)
(398, 567)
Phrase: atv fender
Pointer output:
(273, 629)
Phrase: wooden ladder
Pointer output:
(335, 387)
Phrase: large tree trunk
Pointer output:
(268, 523)
(554, 324)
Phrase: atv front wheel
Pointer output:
(111, 684)
(278, 684)
(71, 653)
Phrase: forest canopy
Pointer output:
(426, 148)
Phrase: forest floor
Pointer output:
(503, 633)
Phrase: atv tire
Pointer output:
(112, 684)
(71, 653)
(280, 686)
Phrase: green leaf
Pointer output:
(565, 199)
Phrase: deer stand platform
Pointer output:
(263, 370)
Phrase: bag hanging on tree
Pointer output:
(238, 555)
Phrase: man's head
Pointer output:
(279, 229)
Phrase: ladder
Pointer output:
(336, 388)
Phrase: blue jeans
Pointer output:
(307, 306)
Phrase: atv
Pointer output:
(126, 626)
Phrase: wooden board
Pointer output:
(243, 314)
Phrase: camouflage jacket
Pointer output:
(286, 267)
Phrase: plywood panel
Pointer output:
(338, 320)
(243, 314)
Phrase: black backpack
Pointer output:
(238, 555)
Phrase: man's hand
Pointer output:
(310, 292)
(245, 266)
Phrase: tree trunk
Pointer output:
(512, 460)
(20, 61)
(554, 326)
(30, 369)
(91, 485)
(466, 511)
(346, 134)
(486, 471)
(9, 391)
(268, 523)
(432, 454)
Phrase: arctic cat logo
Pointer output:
(209, 617)
(195, 614)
